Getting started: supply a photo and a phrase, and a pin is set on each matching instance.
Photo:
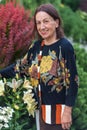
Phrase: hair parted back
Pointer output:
(50, 9)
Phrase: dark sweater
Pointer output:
(54, 58)
(59, 80)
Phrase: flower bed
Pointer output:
(17, 103)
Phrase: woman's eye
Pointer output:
(46, 21)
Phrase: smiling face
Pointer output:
(46, 26)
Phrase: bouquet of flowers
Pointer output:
(17, 103)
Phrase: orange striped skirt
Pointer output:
(51, 114)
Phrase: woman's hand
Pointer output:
(66, 120)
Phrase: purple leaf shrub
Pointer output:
(16, 33)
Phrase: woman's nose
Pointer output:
(42, 26)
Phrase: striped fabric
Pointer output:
(51, 114)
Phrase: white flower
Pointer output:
(6, 125)
(1, 125)
(5, 116)
(15, 83)
(1, 117)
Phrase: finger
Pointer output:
(66, 126)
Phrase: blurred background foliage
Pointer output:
(75, 27)
(74, 4)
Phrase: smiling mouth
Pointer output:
(44, 33)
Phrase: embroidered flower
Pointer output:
(53, 72)
(34, 82)
(33, 71)
(46, 63)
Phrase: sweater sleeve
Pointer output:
(71, 66)
(8, 72)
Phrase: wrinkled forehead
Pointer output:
(43, 15)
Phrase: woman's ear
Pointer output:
(57, 23)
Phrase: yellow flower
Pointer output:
(26, 84)
(56, 80)
(34, 82)
(66, 70)
(1, 88)
(54, 52)
(63, 73)
(30, 101)
(58, 89)
(46, 64)
(62, 64)
(43, 78)
(68, 74)
(31, 108)
(28, 96)
(30, 69)
(67, 81)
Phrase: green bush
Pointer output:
(81, 56)
(73, 23)
(80, 109)
(74, 4)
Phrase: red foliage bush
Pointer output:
(16, 33)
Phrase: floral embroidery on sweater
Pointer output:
(53, 71)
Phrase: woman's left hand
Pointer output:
(66, 120)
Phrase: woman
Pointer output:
(57, 68)
(52, 70)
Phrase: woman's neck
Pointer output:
(48, 42)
